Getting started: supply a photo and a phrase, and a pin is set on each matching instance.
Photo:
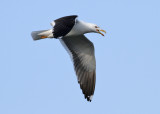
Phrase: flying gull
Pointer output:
(70, 31)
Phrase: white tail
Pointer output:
(37, 35)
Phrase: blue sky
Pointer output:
(37, 77)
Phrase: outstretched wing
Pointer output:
(82, 54)
(63, 25)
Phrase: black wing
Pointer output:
(82, 53)
(63, 25)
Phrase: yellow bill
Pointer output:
(102, 31)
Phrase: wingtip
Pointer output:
(89, 98)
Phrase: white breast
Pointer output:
(79, 28)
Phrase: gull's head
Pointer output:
(97, 29)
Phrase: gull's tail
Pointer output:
(37, 35)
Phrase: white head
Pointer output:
(96, 29)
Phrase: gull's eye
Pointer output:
(96, 27)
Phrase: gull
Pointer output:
(70, 31)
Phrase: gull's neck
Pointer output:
(80, 27)
(87, 27)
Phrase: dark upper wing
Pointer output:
(82, 53)
(63, 25)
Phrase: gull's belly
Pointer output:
(78, 29)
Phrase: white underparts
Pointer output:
(80, 28)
